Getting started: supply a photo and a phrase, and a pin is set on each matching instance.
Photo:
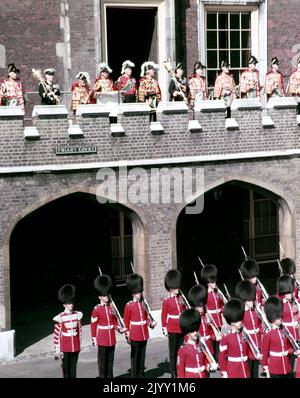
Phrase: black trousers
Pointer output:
(70, 364)
(129, 98)
(106, 361)
(216, 345)
(253, 367)
(175, 341)
(137, 356)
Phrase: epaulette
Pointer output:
(96, 306)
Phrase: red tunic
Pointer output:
(80, 95)
(12, 93)
(259, 297)
(276, 350)
(274, 84)
(198, 88)
(136, 321)
(191, 362)
(103, 325)
(233, 355)
(214, 307)
(206, 331)
(127, 84)
(252, 323)
(171, 309)
(67, 332)
(290, 318)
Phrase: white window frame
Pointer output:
(166, 45)
(259, 39)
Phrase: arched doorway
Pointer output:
(65, 241)
(235, 214)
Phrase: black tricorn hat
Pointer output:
(12, 68)
(135, 283)
(252, 60)
(190, 321)
(273, 308)
(288, 266)
(249, 268)
(209, 273)
(179, 66)
(234, 310)
(198, 65)
(173, 279)
(224, 64)
(274, 61)
(285, 285)
(197, 296)
(246, 291)
(103, 285)
(66, 294)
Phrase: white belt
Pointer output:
(69, 334)
(238, 359)
(253, 331)
(108, 327)
(290, 323)
(138, 323)
(195, 370)
(214, 311)
(205, 337)
(279, 354)
(173, 316)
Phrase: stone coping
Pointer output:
(172, 107)
(11, 111)
(49, 111)
(93, 110)
(246, 104)
(207, 106)
(134, 108)
(282, 103)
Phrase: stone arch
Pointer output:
(284, 204)
(139, 230)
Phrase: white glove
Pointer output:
(224, 375)
(165, 331)
(213, 367)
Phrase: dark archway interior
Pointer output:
(131, 34)
(62, 242)
(233, 215)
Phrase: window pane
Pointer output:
(212, 40)
(211, 21)
(246, 39)
(212, 59)
(223, 40)
(235, 39)
(246, 21)
(224, 55)
(211, 77)
(235, 59)
(234, 21)
(245, 58)
(236, 76)
(223, 21)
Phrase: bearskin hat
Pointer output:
(147, 66)
(285, 285)
(209, 274)
(288, 266)
(197, 296)
(173, 279)
(126, 64)
(66, 294)
(135, 283)
(274, 61)
(250, 268)
(12, 68)
(234, 311)
(246, 291)
(189, 321)
(103, 67)
(252, 60)
(273, 308)
(198, 65)
(103, 285)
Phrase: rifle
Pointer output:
(261, 314)
(227, 292)
(213, 324)
(207, 353)
(221, 295)
(281, 249)
(241, 275)
(279, 267)
(255, 350)
(196, 278)
(146, 305)
(290, 337)
(200, 261)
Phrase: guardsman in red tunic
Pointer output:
(289, 268)
(250, 272)
(198, 85)
(11, 89)
(104, 323)
(294, 84)
(137, 321)
(80, 91)
(126, 83)
(225, 87)
(274, 81)
(276, 347)
(249, 81)
(149, 90)
(246, 291)
(68, 332)
(103, 83)
(197, 297)
(290, 317)
(171, 309)
(191, 362)
(234, 349)
(214, 303)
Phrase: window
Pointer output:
(228, 36)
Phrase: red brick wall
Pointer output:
(191, 26)
(283, 32)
